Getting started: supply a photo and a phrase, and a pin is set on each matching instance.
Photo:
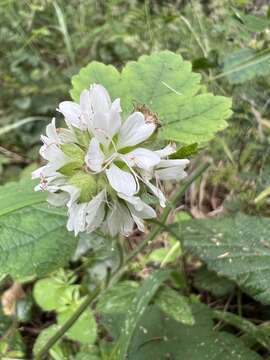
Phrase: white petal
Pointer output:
(100, 99)
(116, 106)
(36, 174)
(142, 158)
(119, 220)
(77, 218)
(133, 200)
(66, 136)
(105, 125)
(175, 162)
(60, 199)
(51, 132)
(121, 181)
(134, 130)
(94, 157)
(146, 212)
(170, 173)
(73, 192)
(95, 211)
(158, 193)
(54, 155)
(72, 114)
(86, 108)
(168, 150)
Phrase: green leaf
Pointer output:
(15, 196)
(161, 76)
(159, 337)
(137, 308)
(245, 64)
(33, 237)
(235, 247)
(174, 305)
(84, 330)
(195, 119)
(98, 73)
(44, 337)
(88, 353)
(48, 293)
(118, 298)
(206, 280)
(166, 85)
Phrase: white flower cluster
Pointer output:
(97, 168)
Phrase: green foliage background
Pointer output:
(46, 42)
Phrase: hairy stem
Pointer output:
(245, 325)
(120, 270)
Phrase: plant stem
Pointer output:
(67, 325)
(119, 271)
(246, 326)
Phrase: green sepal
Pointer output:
(71, 168)
(74, 152)
(185, 151)
(82, 137)
(86, 183)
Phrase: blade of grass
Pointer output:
(63, 28)
(10, 127)
(258, 59)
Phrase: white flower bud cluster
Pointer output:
(98, 168)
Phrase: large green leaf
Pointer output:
(158, 337)
(165, 84)
(235, 247)
(33, 237)
(95, 72)
(137, 308)
(17, 195)
(194, 119)
(161, 76)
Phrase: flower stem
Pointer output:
(67, 325)
(120, 270)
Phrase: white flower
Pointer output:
(99, 168)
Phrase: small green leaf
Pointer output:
(44, 337)
(174, 305)
(48, 293)
(84, 330)
(118, 298)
